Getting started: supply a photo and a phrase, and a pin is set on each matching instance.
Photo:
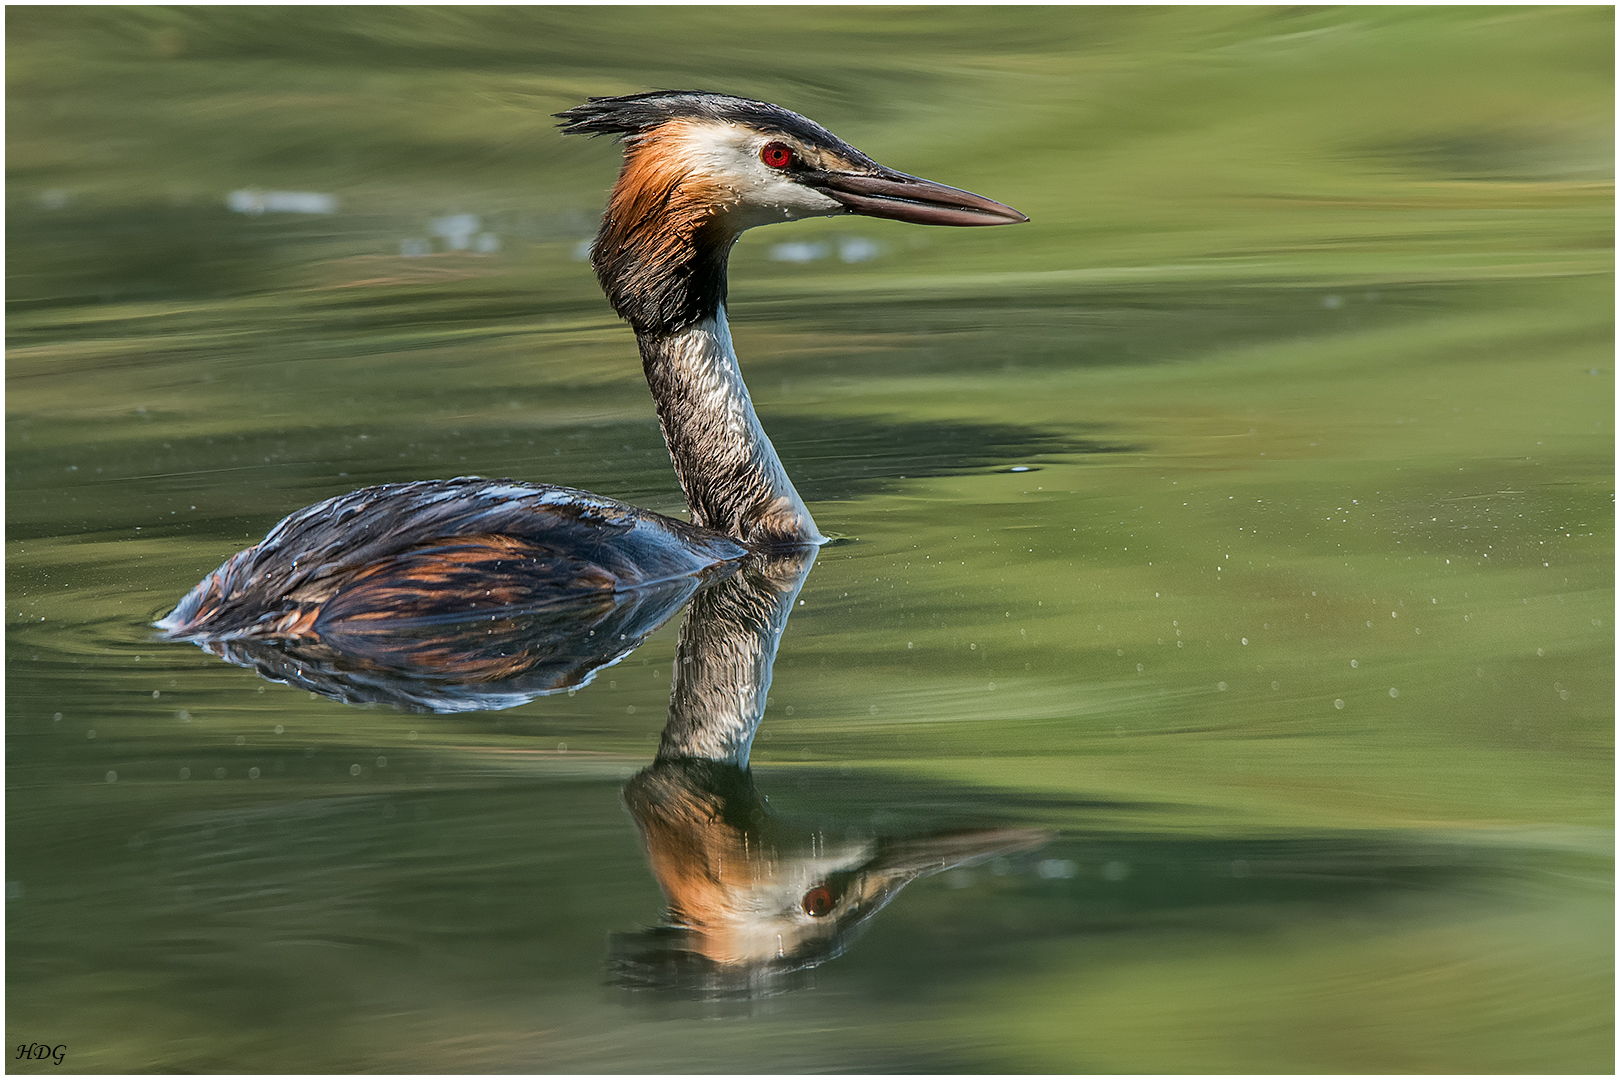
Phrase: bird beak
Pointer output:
(891, 194)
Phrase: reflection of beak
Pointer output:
(896, 863)
(890, 194)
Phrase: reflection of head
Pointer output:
(753, 898)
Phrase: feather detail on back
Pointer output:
(418, 547)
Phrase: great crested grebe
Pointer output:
(698, 169)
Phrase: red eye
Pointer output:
(818, 901)
(776, 155)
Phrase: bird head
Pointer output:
(700, 168)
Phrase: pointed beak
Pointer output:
(891, 194)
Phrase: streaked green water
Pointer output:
(1297, 625)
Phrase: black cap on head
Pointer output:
(636, 114)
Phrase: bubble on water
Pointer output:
(90, 734)
(1276, 686)
(413, 735)
(1394, 692)
(1138, 667)
(280, 729)
(219, 774)
(184, 715)
(959, 878)
(354, 770)
(112, 777)
(382, 763)
(1054, 869)
(1019, 468)
(992, 686)
(1116, 871)
(1355, 663)
(157, 693)
(253, 773)
(873, 710)
(1540, 652)
(910, 645)
(55, 717)
(1245, 640)
(1220, 686)
(1338, 703)
(562, 748)
(241, 740)
(1332, 301)
(185, 774)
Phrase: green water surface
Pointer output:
(1246, 518)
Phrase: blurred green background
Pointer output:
(1299, 609)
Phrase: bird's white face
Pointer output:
(747, 174)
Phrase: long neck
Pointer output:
(733, 480)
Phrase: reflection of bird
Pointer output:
(698, 170)
(751, 897)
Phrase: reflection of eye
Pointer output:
(817, 902)
(776, 155)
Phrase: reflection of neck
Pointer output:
(733, 480)
(723, 663)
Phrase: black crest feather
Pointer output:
(636, 114)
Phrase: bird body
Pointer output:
(698, 170)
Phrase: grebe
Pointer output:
(698, 169)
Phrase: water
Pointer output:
(1241, 529)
